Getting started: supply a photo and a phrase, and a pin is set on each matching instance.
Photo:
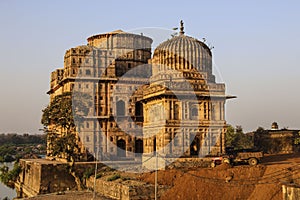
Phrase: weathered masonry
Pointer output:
(169, 102)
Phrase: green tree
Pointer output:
(236, 138)
(9, 177)
(60, 118)
(297, 139)
(229, 136)
(261, 140)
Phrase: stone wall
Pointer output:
(40, 176)
(125, 190)
(291, 192)
(149, 162)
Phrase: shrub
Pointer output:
(98, 176)
(114, 177)
(88, 172)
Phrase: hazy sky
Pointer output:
(257, 51)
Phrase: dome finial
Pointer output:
(181, 28)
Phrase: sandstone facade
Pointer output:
(169, 102)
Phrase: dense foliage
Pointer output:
(235, 137)
(65, 146)
(297, 139)
(8, 177)
(60, 118)
(14, 146)
(66, 110)
(16, 139)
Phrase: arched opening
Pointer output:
(138, 109)
(154, 145)
(194, 113)
(121, 150)
(139, 146)
(205, 111)
(120, 108)
(195, 147)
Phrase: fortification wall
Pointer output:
(41, 176)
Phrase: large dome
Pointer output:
(185, 54)
(195, 53)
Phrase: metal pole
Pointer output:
(96, 163)
(156, 166)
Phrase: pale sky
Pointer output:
(257, 51)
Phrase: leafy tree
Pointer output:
(260, 140)
(229, 136)
(65, 146)
(60, 118)
(242, 141)
(297, 139)
(264, 142)
(236, 138)
(8, 177)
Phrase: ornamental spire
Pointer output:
(181, 28)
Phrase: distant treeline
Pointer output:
(14, 146)
(17, 139)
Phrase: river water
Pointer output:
(6, 191)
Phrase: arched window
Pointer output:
(175, 139)
(194, 113)
(87, 72)
(120, 108)
(195, 147)
(121, 151)
(154, 145)
(138, 109)
(139, 146)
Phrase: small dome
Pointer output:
(184, 53)
(274, 126)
